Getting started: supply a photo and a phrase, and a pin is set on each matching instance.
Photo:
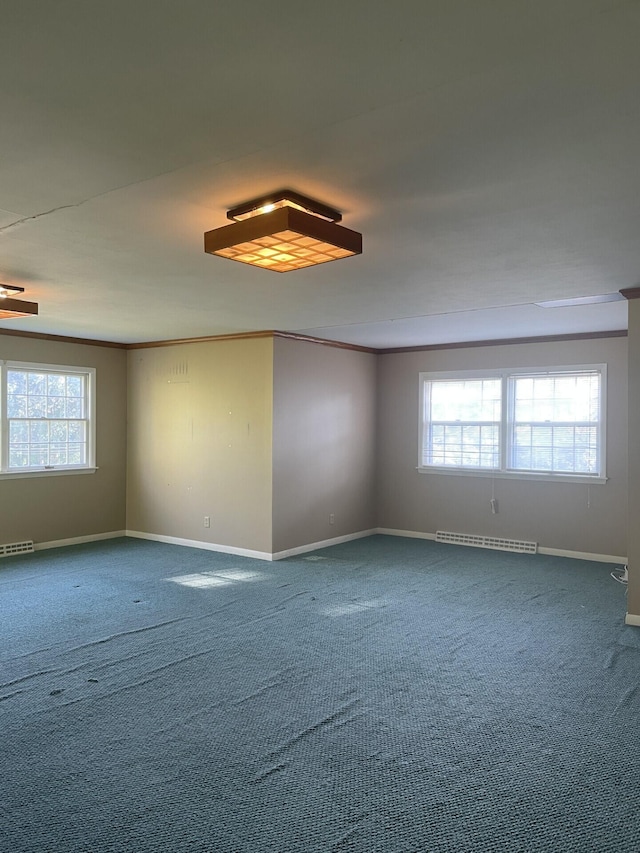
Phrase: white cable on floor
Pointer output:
(623, 578)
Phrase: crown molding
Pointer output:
(499, 342)
(631, 293)
(42, 336)
(324, 342)
(201, 340)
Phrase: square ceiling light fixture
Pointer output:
(283, 231)
(11, 308)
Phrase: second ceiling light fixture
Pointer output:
(11, 308)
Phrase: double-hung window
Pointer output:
(529, 423)
(47, 419)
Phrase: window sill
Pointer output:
(515, 475)
(46, 472)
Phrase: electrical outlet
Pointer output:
(207, 521)
(332, 518)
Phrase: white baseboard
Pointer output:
(205, 546)
(325, 543)
(584, 555)
(78, 540)
(632, 619)
(407, 534)
(553, 552)
(304, 549)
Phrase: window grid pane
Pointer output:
(47, 419)
(463, 424)
(555, 427)
(565, 448)
(468, 400)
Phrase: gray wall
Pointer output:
(633, 592)
(50, 508)
(556, 515)
(199, 442)
(323, 442)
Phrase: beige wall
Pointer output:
(556, 515)
(199, 442)
(633, 592)
(50, 508)
(323, 442)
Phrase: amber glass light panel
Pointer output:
(284, 251)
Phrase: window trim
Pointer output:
(90, 467)
(505, 374)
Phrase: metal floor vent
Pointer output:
(16, 548)
(519, 546)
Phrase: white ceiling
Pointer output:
(486, 149)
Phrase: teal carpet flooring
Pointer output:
(381, 696)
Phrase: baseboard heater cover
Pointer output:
(16, 548)
(518, 546)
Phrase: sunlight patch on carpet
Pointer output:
(201, 579)
(220, 578)
(240, 575)
(349, 609)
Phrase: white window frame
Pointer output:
(89, 374)
(505, 375)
